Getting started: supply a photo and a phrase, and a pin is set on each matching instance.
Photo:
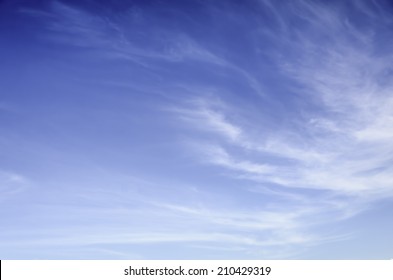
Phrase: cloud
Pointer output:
(206, 114)
(11, 184)
(341, 149)
(109, 34)
(157, 215)
(190, 227)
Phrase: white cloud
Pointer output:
(338, 155)
(204, 116)
(11, 184)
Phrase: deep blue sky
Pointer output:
(248, 129)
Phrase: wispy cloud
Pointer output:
(208, 114)
(343, 148)
(152, 221)
(284, 110)
(11, 184)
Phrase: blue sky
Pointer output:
(198, 129)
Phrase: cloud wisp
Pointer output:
(342, 151)
(223, 129)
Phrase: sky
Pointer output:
(196, 129)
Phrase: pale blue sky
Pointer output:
(196, 129)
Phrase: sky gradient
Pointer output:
(196, 129)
